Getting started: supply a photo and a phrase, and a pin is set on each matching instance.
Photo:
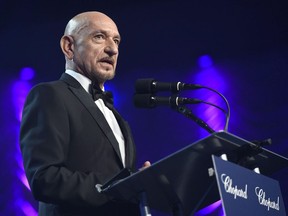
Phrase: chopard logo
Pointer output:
(260, 193)
(234, 190)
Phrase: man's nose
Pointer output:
(111, 47)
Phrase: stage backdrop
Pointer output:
(236, 47)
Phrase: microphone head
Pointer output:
(143, 101)
(143, 86)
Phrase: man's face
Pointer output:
(96, 49)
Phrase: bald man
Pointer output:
(71, 140)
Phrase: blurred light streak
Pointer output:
(26, 207)
(208, 75)
(210, 209)
(22, 177)
(19, 91)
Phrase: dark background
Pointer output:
(247, 41)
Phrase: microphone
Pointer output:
(151, 101)
(150, 85)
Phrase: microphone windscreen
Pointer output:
(143, 86)
(143, 101)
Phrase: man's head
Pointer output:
(90, 45)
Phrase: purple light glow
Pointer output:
(27, 74)
(20, 172)
(22, 177)
(205, 61)
(111, 87)
(20, 90)
(209, 76)
(26, 207)
(209, 209)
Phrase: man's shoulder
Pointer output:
(50, 85)
(47, 88)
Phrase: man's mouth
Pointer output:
(107, 60)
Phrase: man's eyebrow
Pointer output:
(118, 37)
(106, 33)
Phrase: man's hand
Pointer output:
(145, 165)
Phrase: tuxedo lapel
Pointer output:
(87, 101)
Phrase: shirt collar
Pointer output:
(83, 80)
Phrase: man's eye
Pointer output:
(100, 36)
(116, 41)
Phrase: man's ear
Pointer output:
(67, 46)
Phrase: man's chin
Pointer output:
(105, 75)
(110, 75)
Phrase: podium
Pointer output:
(185, 181)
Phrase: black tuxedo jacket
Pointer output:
(68, 148)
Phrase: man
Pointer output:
(70, 142)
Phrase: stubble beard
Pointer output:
(103, 77)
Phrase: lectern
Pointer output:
(185, 181)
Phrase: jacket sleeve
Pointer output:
(44, 142)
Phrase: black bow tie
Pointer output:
(97, 93)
